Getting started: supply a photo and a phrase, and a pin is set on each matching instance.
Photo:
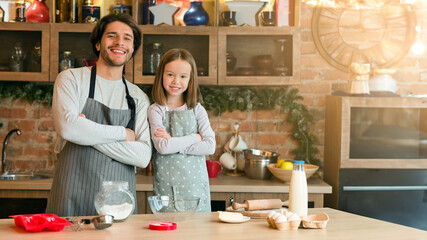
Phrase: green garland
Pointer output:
(219, 99)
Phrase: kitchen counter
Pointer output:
(222, 188)
(222, 183)
(205, 226)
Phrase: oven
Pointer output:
(394, 195)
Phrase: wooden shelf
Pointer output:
(247, 42)
(200, 41)
(209, 46)
(26, 32)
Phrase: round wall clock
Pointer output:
(375, 32)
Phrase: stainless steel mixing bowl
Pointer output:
(256, 162)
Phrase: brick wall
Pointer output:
(260, 129)
(33, 150)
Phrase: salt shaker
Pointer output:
(115, 199)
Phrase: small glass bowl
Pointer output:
(174, 208)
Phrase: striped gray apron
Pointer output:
(182, 174)
(82, 169)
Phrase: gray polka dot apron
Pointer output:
(82, 169)
(182, 174)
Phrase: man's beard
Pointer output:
(110, 62)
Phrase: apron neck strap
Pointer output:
(130, 100)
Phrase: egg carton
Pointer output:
(285, 220)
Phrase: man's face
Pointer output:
(116, 45)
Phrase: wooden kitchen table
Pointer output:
(205, 226)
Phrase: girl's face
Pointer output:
(176, 77)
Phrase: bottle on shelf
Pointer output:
(20, 11)
(67, 61)
(2, 13)
(62, 11)
(196, 15)
(73, 11)
(146, 17)
(37, 12)
(90, 12)
(34, 59)
(16, 60)
(154, 56)
(298, 195)
(122, 7)
(280, 68)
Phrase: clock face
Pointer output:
(375, 32)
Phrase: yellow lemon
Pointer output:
(287, 165)
(279, 162)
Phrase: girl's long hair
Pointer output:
(192, 95)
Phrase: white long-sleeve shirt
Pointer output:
(188, 144)
(71, 91)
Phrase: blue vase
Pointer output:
(196, 15)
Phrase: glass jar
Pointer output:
(115, 199)
(280, 67)
(34, 59)
(66, 62)
(154, 56)
(16, 60)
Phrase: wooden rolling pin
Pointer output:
(260, 204)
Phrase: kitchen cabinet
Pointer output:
(208, 44)
(375, 132)
(74, 38)
(201, 42)
(28, 34)
(248, 43)
(376, 157)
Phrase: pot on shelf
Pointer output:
(256, 162)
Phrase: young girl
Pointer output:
(180, 130)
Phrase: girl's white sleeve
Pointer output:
(171, 145)
(207, 145)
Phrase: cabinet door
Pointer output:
(75, 38)
(375, 132)
(260, 59)
(201, 42)
(31, 36)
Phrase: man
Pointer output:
(101, 121)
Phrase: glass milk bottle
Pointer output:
(298, 196)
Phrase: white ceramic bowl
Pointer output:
(382, 83)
